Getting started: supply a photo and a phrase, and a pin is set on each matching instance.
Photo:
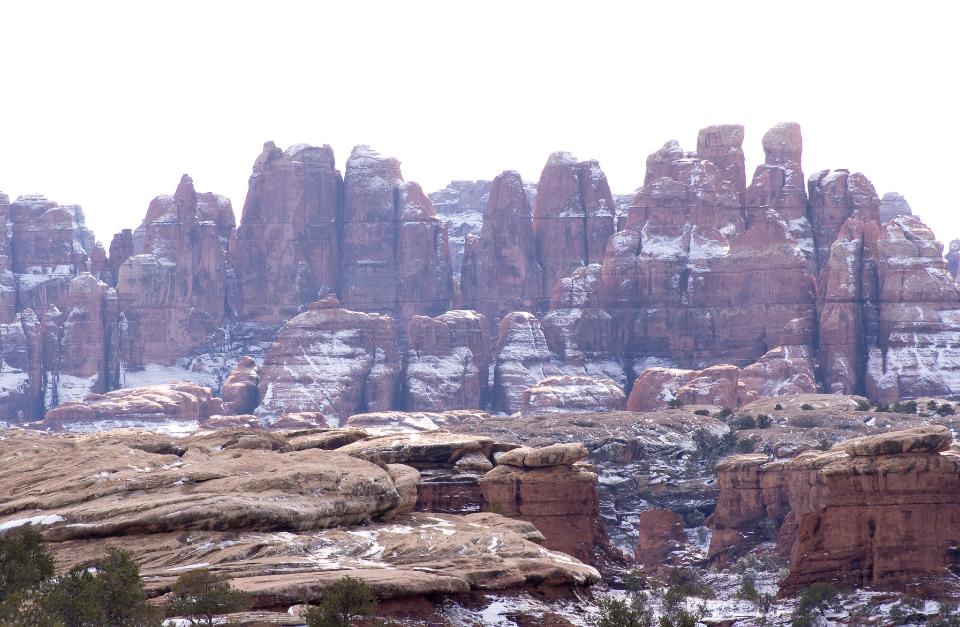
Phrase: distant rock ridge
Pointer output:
(708, 271)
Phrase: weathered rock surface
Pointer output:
(424, 449)
(572, 393)
(332, 360)
(501, 272)
(240, 387)
(287, 246)
(447, 363)
(659, 533)
(572, 218)
(892, 205)
(171, 402)
(919, 324)
(523, 359)
(173, 296)
(888, 517)
(279, 523)
(783, 370)
(559, 498)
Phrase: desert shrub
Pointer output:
(806, 407)
(742, 422)
(347, 600)
(693, 517)
(674, 403)
(932, 405)
(824, 444)
(200, 595)
(107, 591)
(803, 422)
(862, 405)
(778, 407)
(748, 445)
(634, 612)
(906, 407)
(907, 611)
(882, 408)
(701, 412)
(769, 529)
(686, 582)
(725, 412)
(710, 448)
(764, 421)
(946, 410)
(24, 561)
(816, 599)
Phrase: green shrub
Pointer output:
(932, 405)
(812, 603)
(24, 561)
(200, 596)
(882, 407)
(624, 613)
(107, 591)
(674, 403)
(701, 412)
(725, 412)
(824, 444)
(945, 410)
(778, 407)
(764, 421)
(906, 407)
(806, 407)
(742, 422)
(685, 582)
(769, 529)
(863, 405)
(348, 599)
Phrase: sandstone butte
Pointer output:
(708, 286)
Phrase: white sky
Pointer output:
(107, 104)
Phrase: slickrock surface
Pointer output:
(240, 387)
(659, 533)
(282, 524)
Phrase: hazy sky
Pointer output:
(107, 104)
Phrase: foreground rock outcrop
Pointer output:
(281, 522)
(874, 512)
(545, 486)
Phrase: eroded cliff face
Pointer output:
(740, 288)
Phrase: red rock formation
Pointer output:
(892, 205)
(90, 342)
(394, 255)
(704, 273)
(558, 497)
(240, 387)
(919, 322)
(848, 313)
(888, 519)
(331, 360)
(121, 249)
(286, 248)
(571, 393)
(522, 359)
(782, 370)
(659, 533)
(573, 216)
(22, 379)
(173, 297)
(447, 363)
(179, 401)
(501, 273)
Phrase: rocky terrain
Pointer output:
(501, 385)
